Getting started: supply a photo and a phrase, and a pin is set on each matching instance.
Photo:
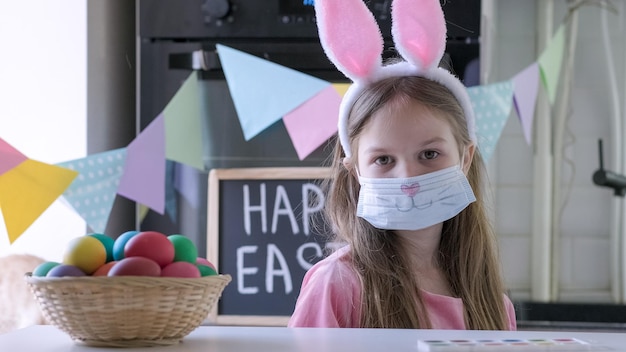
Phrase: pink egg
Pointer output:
(204, 261)
(180, 269)
(135, 266)
(152, 245)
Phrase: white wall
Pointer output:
(43, 57)
(585, 244)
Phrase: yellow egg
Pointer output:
(85, 252)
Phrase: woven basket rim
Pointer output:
(127, 278)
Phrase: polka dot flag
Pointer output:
(94, 189)
(492, 106)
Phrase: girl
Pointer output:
(406, 191)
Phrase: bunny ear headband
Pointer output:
(352, 40)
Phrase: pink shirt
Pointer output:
(330, 297)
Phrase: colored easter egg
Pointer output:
(150, 244)
(120, 242)
(204, 261)
(184, 248)
(181, 269)
(135, 266)
(43, 268)
(104, 269)
(107, 242)
(206, 270)
(85, 252)
(65, 270)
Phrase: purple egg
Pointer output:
(65, 270)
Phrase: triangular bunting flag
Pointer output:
(9, 157)
(27, 190)
(492, 105)
(92, 193)
(144, 172)
(526, 87)
(341, 88)
(550, 63)
(183, 125)
(314, 122)
(263, 91)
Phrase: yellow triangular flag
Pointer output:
(27, 190)
(341, 88)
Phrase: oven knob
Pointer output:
(216, 8)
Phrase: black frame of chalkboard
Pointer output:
(216, 176)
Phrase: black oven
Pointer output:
(282, 31)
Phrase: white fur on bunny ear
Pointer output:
(419, 31)
(350, 37)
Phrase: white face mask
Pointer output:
(414, 203)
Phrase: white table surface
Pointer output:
(277, 339)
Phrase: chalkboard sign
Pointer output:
(265, 229)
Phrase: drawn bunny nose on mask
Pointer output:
(352, 40)
(416, 202)
(410, 190)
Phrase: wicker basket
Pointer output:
(127, 311)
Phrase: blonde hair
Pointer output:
(468, 247)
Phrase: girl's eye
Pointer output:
(383, 160)
(430, 154)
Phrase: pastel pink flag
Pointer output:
(144, 172)
(525, 89)
(313, 122)
(9, 157)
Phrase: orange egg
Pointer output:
(104, 269)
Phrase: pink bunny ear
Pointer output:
(419, 31)
(350, 37)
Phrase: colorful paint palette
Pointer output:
(564, 344)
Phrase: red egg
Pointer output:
(135, 266)
(152, 245)
(180, 269)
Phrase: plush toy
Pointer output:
(353, 42)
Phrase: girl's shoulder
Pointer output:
(330, 294)
(337, 265)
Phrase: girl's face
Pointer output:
(406, 140)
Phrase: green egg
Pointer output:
(206, 270)
(43, 268)
(184, 249)
(107, 242)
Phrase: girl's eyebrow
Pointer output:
(433, 140)
(374, 150)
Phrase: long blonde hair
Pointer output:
(468, 247)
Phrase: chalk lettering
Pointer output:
(283, 198)
(247, 208)
(242, 270)
(273, 253)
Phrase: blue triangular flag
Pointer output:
(264, 91)
(93, 191)
(492, 105)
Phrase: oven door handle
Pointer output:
(199, 60)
